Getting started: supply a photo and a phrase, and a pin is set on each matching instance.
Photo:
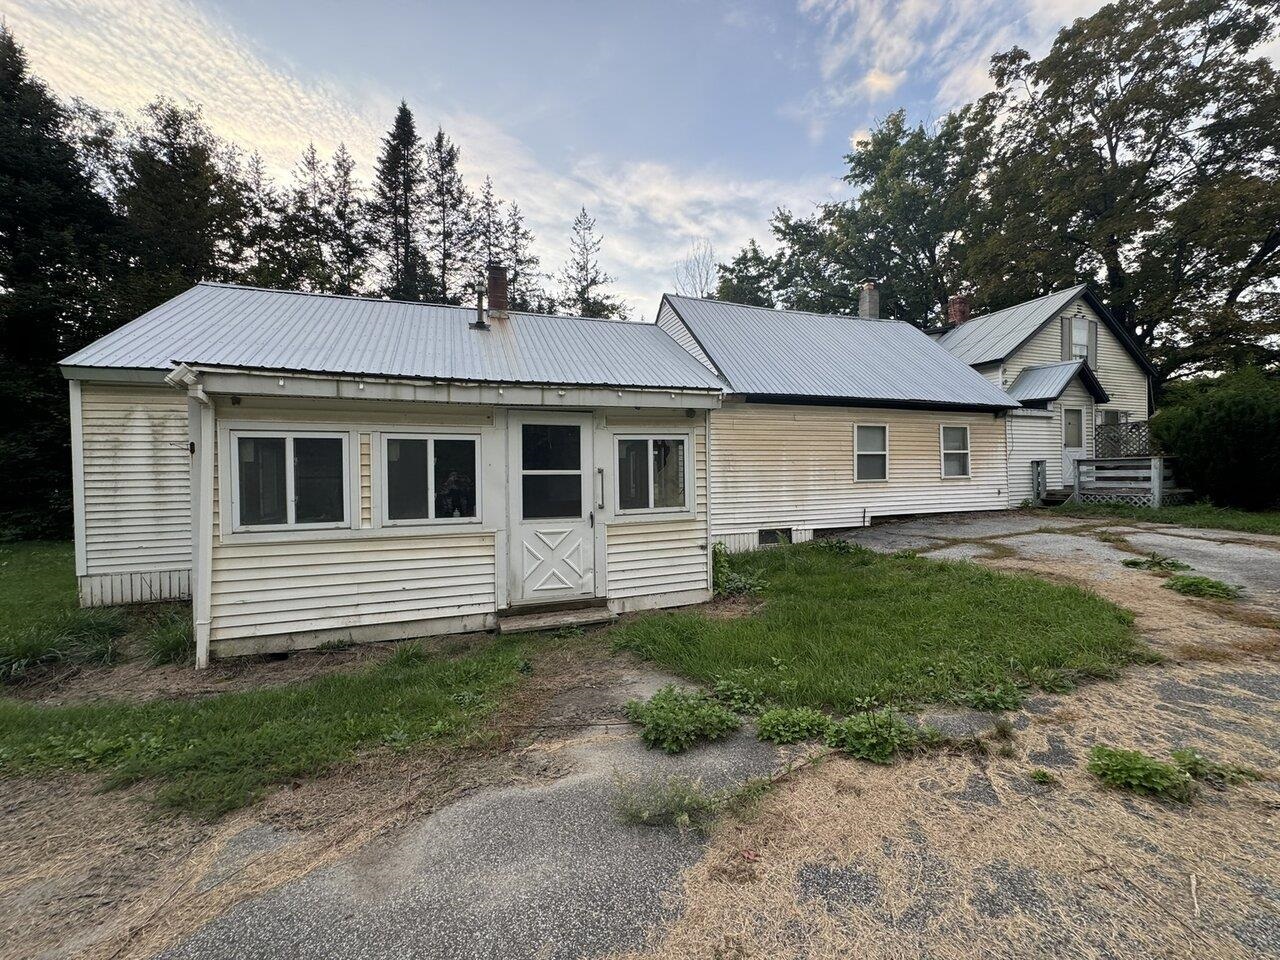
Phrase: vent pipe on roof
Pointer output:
(480, 322)
(869, 301)
(498, 302)
(959, 309)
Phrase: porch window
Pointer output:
(429, 478)
(653, 474)
(871, 453)
(290, 480)
(955, 452)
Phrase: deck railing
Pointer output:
(1142, 481)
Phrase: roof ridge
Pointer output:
(786, 310)
(1025, 303)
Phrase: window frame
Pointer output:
(967, 451)
(381, 465)
(1080, 323)
(856, 428)
(689, 506)
(289, 434)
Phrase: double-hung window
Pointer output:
(653, 474)
(429, 478)
(871, 452)
(955, 451)
(1080, 338)
(284, 479)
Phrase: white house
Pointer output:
(831, 421)
(310, 468)
(1069, 364)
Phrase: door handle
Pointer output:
(591, 519)
(600, 495)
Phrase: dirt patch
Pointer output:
(732, 608)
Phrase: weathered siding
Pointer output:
(648, 557)
(792, 467)
(669, 321)
(136, 502)
(1033, 435)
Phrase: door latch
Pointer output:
(591, 519)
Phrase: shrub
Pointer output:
(674, 720)
(170, 639)
(1157, 562)
(877, 736)
(739, 697)
(792, 724)
(1224, 436)
(1000, 696)
(1135, 771)
(1197, 586)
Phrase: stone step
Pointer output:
(554, 620)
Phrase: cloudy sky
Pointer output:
(671, 120)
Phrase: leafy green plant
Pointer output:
(1156, 562)
(1193, 585)
(1199, 767)
(739, 697)
(170, 638)
(730, 578)
(1042, 777)
(674, 720)
(877, 736)
(792, 724)
(1000, 696)
(1136, 771)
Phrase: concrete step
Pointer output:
(554, 620)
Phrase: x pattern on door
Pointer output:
(552, 556)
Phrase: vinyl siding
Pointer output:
(1033, 436)
(136, 480)
(661, 556)
(669, 321)
(792, 466)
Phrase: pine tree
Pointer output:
(307, 225)
(396, 211)
(582, 281)
(449, 230)
(489, 230)
(263, 264)
(349, 237)
(524, 278)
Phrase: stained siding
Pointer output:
(137, 501)
(783, 466)
(669, 556)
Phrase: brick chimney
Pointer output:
(959, 308)
(498, 301)
(869, 301)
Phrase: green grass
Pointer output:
(1187, 515)
(211, 756)
(37, 582)
(841, 630)
(1192, 585)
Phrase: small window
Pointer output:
(1111, 418)
(1080, 338)
(772, 538)
(871, 454)
(652, 473)
(290, 480)
(429, 478)
(955, 451)
(1073, 428)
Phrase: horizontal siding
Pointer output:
(776, 466)
(137, 482)
(1033, 438)
(662, 556)
(107, 589)
(670, 322)
(261, 589)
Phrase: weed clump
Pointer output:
(1156, 562)
(739, 697)
(792, 724)
(1042, 777)
(1199, 767)
(730, 579)
(877, 736)
(1000, 696)
(1135, 771)
(88, 637)
(170, 638)
(1192, 585)
(674, 720)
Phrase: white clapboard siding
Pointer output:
(670, 322)
(1034, 435)
(260, 589)
(666, 556)
(792, 467)
(136, 493)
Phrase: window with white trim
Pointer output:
(284, 479)
(871, 451)
(1080, 338)
(955, 451)
(653, 473)
(429, 478)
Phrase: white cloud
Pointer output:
(120, 54)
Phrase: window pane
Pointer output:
(1074, 428)
(552, 495)
(455, 478)
(633, 474)
(407, 464)
(551, 446)
(955, 464)
(262, 480)
(955, 438)
(317, 480)
(873, 466)
(872, 439)
(1080, 338)
(668, 473)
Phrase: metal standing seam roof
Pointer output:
(226, 325)
(1047, 381)
(994, 336)
(786, 353)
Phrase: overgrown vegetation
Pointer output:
(792, 724)
(1193, 585)
(729, 579)
(739, 697)
(1000, 696)
(214, 755)
(1199, 767)
(841, 629)
(876, 735)
(170, 638)
(1042, 777)
(674, 720)
(683, 803)
(1136, 771)
(1200, 515)
(1156, 562)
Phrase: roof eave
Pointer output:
(878, 402)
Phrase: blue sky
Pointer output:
(673, 121)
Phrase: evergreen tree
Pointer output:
(489, 230)
(396, 211)
(449, 228)
(524, 278)
(583, 281)
(263, 264)
(349, 234)
(747, 278)
(307, 225)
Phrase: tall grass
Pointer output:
(1203, 515)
